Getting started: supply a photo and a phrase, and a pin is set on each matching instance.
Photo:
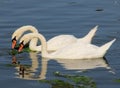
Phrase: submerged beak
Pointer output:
(21, 47)
(14, 42)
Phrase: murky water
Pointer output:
(56, 17)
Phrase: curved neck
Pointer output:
(28, 28)
(43, 45)
(33, 45)
(19, 32)
(32, 36)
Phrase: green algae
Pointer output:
(74, 81)
(15, 51)
(117, 80)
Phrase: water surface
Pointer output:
(56, 17)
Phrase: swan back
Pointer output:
(60, 41)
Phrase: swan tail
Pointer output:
(91, 34)
(103, 49)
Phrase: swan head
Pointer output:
(14, 42)
(20, 31)
(16, 35)
(28, 37)
(25, 40)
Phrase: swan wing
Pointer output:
(76, 51)
(60, 41)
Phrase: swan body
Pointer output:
(73, 51)
(78, 50)
(60, 41)
(54, 43)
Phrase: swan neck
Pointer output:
(33, 44)
(43, 45)
(28, 28)
(20, 31)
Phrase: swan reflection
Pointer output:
(83, 64)
(29, 73)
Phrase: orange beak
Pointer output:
(14, 42)
(20, 47)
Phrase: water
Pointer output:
(56, 17)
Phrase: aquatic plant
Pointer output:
(15, 65)
(117, 80)
(11, 65)
(75, 81)
(56, 83)
(15, 51)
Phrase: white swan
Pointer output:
(55, 42)
(73, 51)
(60, 41)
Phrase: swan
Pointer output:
(55, 42)
(73, 51)
(60, 41)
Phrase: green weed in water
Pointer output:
(77, 81)
(15, 51)
(11, 65)
(14, 65)
(117, 80)
(56, 83)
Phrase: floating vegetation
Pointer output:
(117, 80)
(14, 65)
(11, 65)
(15, 51)
(26, 49)
(76, 81)
(56, 83)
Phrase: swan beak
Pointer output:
(14, 42)
(20, 47)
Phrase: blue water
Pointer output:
(54, 17)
